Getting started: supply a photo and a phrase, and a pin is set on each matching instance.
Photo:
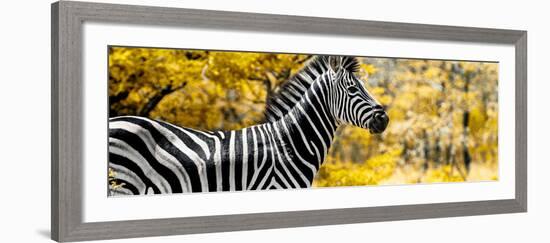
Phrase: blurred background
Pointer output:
(443, 114)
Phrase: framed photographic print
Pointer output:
(169, 121)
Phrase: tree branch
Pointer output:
(115, 99)
(155, 100)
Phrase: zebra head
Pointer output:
(352, 102)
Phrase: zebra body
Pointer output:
(150, 156)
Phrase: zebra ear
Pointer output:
(335, 63)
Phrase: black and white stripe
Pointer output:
(149, 156)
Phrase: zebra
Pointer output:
(154, 157)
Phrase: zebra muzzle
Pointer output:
(379, 123)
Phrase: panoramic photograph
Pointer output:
(184, 120)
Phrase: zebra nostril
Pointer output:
(380, 122)
(383, 119)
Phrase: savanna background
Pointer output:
(443, 114)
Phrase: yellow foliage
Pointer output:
(370, 172)
(369, 69)
(444, 173)
(209, 90)
(113, 184)
(443, 114)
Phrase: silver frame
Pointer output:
(66, 161)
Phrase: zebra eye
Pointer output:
(352, 89)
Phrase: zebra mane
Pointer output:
(283, 99)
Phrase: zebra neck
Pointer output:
(310, 126)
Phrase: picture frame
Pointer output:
(67, 170)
